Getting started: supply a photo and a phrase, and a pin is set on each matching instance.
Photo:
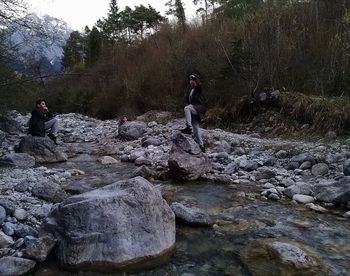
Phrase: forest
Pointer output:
(135, 60)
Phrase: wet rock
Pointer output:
(22, 160)
(15, 266)
(107, 160)
(303, 198)
(49, 191)
(132, 130)
(190, 215)
(118, 226)
(142, 171)
(298, 188)
(316, 208)
(269, 257)
(336, 192)
(347, 214)
(186, 161)
(42, 149)
(40, 248)
(319, 169)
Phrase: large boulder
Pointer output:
(49, 191)
(337, 192)
(190, 215)
(270, 257)
(186, 161)
(118, 227)
(132, 130)
(22, 160)
(13, 266)
(42, 149)
(10, 125)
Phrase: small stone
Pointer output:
(316, 208)
(320, 169)
(20, 214)
(303, 198)
(107, 160)
(273, 197)
(347, 214)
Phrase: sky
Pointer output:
(79, 13)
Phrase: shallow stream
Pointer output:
(241, 218)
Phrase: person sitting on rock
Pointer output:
(194, 109)
(42, 120)
(122, 120)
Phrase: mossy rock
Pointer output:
(270, 257)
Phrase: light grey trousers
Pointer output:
(191, 118)
(52, 126)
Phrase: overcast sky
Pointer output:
(79, 13)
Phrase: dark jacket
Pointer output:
(196, 100)
(37, 122)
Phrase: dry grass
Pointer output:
(296, 110)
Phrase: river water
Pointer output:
(241, 217)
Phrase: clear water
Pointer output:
(240, 219)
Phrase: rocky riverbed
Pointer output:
(255, 197)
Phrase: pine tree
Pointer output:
(93, 46)
(73, 51)
(177, 9)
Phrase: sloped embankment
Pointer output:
(285, 113)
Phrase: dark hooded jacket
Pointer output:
(37, 122)
(196, 99)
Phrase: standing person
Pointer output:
(42, 120)
(194, 109)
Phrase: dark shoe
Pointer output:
(202, 149)
(187, 130)
(52, 137)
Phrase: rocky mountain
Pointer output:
(40, 45)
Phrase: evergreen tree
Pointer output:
(73, 51)
(177, 9)
(111, 26)
(93, 46)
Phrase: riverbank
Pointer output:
(257, 174)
